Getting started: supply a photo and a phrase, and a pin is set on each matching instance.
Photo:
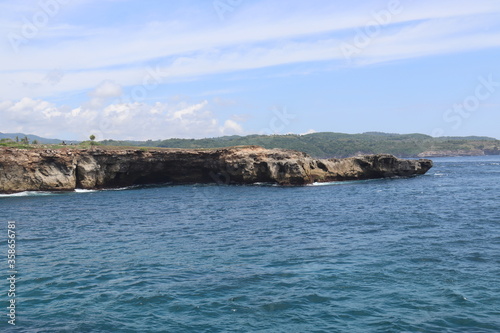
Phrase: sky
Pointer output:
(139, 70)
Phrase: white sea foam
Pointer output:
(81, 190)
(345, 182)
(45, 193)
(27, 194)
(325, 184)
(122, 188)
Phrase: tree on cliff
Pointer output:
(92, 143)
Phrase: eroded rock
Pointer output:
(65, 170)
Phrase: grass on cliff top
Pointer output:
(16, 145)
(325, 145)
(318, 145)
(23, 145)
(86, 145)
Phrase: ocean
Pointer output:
(419, 254)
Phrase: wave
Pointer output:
(81, 190)
(28, 194)
(345, 182)
(43, 193)
(48, 193)
(78, 190)
(263, 184)
(325, 184)
(131, 187)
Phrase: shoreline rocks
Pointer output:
(70, 169)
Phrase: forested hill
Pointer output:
(327, 144)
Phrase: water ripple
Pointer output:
(403, 255)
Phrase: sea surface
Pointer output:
(397, 255)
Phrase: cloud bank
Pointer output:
(257, 36)
(53, 50)
(116, 120)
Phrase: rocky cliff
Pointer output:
(69, 169)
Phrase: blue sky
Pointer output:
(142, 70)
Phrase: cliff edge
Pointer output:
(69, 169)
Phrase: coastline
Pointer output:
(70, 169)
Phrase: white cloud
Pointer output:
(125, 45)
(431, 38)
(66, 58)
(133, 121)
(107, 89)
(103, 93)
(231, 127)
(311, 131)
(189, 111)
(259, 36)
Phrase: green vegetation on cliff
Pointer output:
(318, 145)
(25, 144)
(327, 144)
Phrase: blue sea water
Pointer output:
(395, 255)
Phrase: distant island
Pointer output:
(318, 145)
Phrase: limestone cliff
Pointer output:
(68, 169)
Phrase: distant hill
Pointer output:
(324, 144)
(32, 137)
(329, 144)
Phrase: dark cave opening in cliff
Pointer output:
(155, 178)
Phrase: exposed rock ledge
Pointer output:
(66, 170)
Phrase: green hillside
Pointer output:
(31, 138)
(328, 144)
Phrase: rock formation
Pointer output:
(69, 169)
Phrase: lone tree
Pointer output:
(92, 142)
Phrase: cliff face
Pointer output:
(64, 170)
(28, 170)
